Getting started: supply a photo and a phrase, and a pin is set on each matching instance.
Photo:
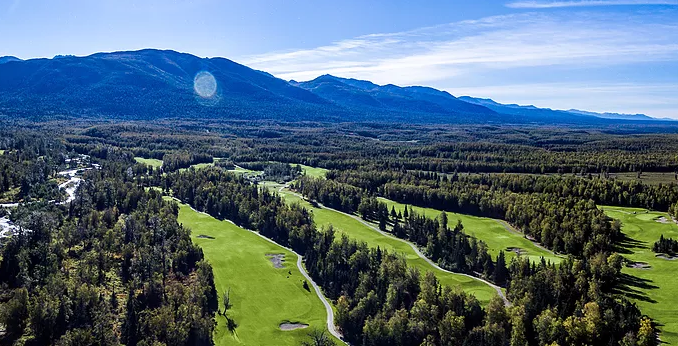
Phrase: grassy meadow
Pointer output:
(314, 172)
(155, 163)
(263, 296)
(654, 289)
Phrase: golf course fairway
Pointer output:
(354, 229)
(653, 288)
(496, 235)
(262, 296)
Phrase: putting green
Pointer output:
(151, 162)
(654, 289)
(356, 230)
(263, 296)
(493, 233)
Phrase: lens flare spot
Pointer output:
(205, 85)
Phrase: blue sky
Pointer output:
(600, 55)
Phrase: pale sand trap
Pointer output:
(639, 265)
(292, 326)
(276, 259)
(662, 220)
(516, 250)
(666, 257)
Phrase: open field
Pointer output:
(654, 289)
(262, 295)
(315, 172)
(151, 162)
(650, 178)
(356, 230)
(491, 231)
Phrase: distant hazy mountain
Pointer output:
(357, 94)
(556, 115)
(150, 84)
(4, 59)
(614, 115)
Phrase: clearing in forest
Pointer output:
(650, 281)
(155, 163)
(314, 172)
(263, 297)
(345, 224)
(496, 234)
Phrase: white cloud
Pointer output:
(587, 3)
(479, 51)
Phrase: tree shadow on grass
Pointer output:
(633, 287)
(231, 325)
(625, 245)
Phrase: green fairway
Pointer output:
(493, 233)
(151, 162)
(654, 289)
(314, 172)
(197, 166)
(263, 296)
(356, 230)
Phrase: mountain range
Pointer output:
(151, 84)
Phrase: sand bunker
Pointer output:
(277, 260)
(202, 236)
(662, 220)
(666, 257)
(639, 265)
(292, 326)
(516, 250)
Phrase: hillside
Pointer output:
(152, 84)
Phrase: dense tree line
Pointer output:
(673, 210)
(665, 245)
(443, 149)
(114, 267)
(27, 166)
(597, 188)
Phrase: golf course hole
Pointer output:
(292, 326)
(202, 236)
(276, 259)
(516, 250)
(639, 265)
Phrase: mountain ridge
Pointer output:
(150, 84)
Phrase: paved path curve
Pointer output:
(414, 247)
(328, 308)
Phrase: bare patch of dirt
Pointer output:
(639, 265)
(292, 326)
(516, 250)
(202, 236)
(276, 259)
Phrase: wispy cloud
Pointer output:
(587, 3)
(471, 53)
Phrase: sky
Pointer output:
(598, 55)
